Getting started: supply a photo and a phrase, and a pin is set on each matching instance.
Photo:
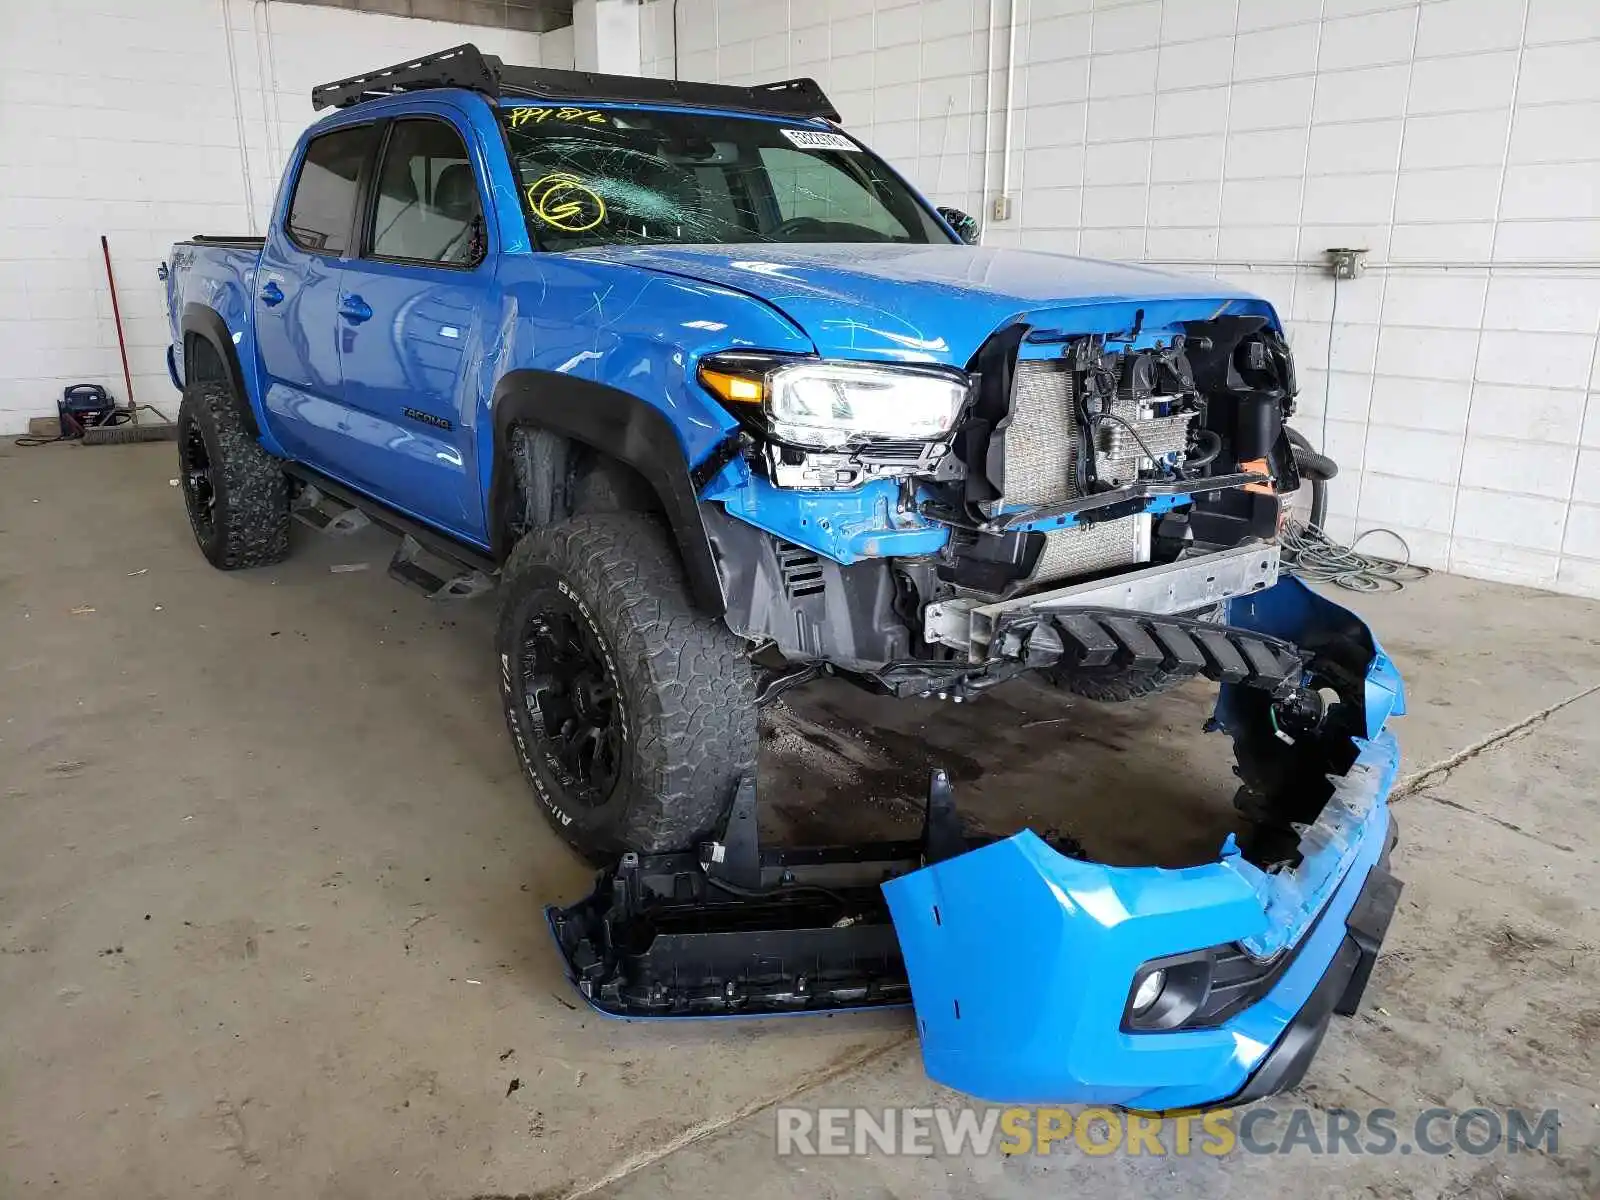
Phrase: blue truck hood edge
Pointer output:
(933, 303)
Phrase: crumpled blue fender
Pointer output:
(1021, 959)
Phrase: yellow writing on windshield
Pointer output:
(562, 201)
(535, 116)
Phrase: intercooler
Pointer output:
(1041, 466)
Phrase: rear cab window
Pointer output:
(615, 175)
(322, 209)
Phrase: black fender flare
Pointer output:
(207, 324)
(621, 426)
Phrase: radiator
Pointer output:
(1041, 461)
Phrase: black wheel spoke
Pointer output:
(199, 485)
(572, 703)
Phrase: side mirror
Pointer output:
(966, 226)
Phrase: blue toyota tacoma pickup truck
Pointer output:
(714, 400)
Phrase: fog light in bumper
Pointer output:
(1147, 991)
(1167, 992)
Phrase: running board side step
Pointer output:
(325, 513)
(434, 576)
(428, 561)
(737, 929)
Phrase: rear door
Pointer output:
(297, 295)
(412, 331)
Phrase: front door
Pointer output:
(410, 363)
(297, 297)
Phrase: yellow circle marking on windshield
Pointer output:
(563, 201)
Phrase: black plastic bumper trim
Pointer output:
(1102, 637)
(1339, 991)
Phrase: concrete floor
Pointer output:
(270, 891)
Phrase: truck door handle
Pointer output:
(272, 293)
(354, 309)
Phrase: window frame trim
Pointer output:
(357, 199)
(367, 211)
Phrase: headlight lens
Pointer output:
(828, 405)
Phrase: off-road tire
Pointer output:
(685, 684)
(1117, 685)
(247, 522)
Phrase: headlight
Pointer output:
(827, 405)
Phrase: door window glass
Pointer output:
(427, 206)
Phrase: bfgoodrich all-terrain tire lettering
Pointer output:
(633, 714)
(236, 493)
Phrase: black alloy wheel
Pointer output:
(575, 708)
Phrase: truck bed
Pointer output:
(216, 274)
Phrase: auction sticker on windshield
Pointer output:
(816, 139)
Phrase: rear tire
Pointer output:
(632, 713)
(236, 493)
(1118, 685)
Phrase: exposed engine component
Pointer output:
(1139, 429)
(1136, 411)
(795, 468)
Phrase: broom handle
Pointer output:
(116, 315)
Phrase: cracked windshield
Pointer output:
(618, 176)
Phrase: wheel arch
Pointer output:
(619, 427)
(202, 326)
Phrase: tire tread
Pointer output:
(251, 516)
(693, 726)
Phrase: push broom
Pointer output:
(124, 424)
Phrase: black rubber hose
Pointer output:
(1317, 469)
(1319, 501)
(1311, 464)
(1207, 456)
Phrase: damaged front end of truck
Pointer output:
(1112, 478)
(1104, 513)
(1036, 974)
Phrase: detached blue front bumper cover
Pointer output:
(1021, 959)
(1023, 962)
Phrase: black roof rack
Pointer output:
(465, 67)
(457, 67)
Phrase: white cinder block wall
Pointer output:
(149, 121)
(1458, 140)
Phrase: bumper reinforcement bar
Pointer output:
(1185, 586)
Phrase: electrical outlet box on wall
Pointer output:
(1346, 263)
